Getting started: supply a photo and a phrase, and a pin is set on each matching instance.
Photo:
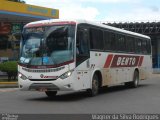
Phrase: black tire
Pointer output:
(51, 93)
(95, 87)
(135, 81)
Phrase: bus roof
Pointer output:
(60, 21)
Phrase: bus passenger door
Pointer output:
(82, 57)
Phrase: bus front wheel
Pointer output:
(51, 93)
(95, 87)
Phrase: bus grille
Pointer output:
(48, 86)
(42, 79)
(43, 70)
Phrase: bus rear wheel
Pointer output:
(95, 87)
(135, 81)
(51, 93)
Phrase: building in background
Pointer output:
(13, 16)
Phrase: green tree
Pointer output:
(10, 68)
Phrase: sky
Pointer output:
(105, 10)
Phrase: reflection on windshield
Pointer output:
(59, 45)
(55, 48)
(31, 47)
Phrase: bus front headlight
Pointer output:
(66, 74)
(22, 76)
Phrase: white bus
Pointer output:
(59, 55)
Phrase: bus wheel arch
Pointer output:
(96, 83)
(99, 75)
(135, 79)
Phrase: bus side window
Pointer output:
(108, 41)
(120, 42)
(113, 41)
(130, 44)
(138, 46)
(82, 42)
(82, 45)
(96, 39)
(148, 47)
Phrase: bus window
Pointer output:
(130, 44)
(82, 46)
(144, 46)
(121, 42)
(108, 40)
(96, 40)
(148, 46)
(113, 41)
(138, 45)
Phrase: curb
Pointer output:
(155, 75)
(8, 84)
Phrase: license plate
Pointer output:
(42, 89)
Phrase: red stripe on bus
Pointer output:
(140, 61)
(108, 61)
(125, 61)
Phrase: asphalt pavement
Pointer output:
(118, 99)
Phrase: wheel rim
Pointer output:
(136, 81)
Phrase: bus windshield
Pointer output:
(47, 45)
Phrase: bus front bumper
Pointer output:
(57, 85)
